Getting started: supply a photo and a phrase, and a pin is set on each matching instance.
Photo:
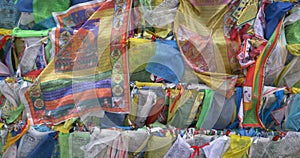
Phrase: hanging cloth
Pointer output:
(239, 146)
(253, 86)
(199, 34)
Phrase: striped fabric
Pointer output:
(254, 83)
(89, 71)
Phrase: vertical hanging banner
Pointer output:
(254, 83)
(89, 69)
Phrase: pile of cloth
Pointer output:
(132, 78)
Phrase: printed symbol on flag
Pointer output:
(247, 94)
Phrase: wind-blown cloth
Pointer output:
(253, 87)
(199, 31)
(89, 69)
